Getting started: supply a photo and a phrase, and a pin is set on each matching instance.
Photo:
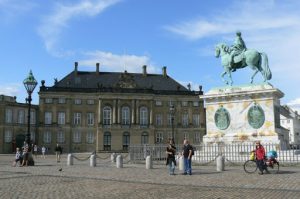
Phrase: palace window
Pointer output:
(61, 120)
(90, 137)
(60, 137)
(159, 137)
(159, 119)
(90, 101)
(48, 117)
(76, 136)
(107, 141)
(48, 101)
(77, 101)
(126, 141)
(196, 120)
(143, 116)
(145, 138)
(107, 115)
(8, 136)
(185, 120)
(32, 117)
(125, 115)
(77, 118)
(61, 100)
(21, 116)
(47, 137)
(8, 115)
(90, 119)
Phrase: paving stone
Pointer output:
(134, 181)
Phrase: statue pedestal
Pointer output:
(245, 113)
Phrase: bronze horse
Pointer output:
(257, 61)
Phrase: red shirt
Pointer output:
(260, 152)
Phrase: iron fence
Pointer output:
(207, 153)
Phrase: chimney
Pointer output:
(76, 67)
(145, 70)
(164, 71)
(97, 68)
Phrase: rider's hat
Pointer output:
(238, 33)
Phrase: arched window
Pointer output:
(125, 115)
(145, 138)
(144, 116)
(107, 141)
(106, 115)
(126, 140)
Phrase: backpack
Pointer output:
(192, 148)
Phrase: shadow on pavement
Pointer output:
(286, 172)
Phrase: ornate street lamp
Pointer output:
(30, 84)
(172, 112)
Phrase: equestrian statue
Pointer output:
(238, 56)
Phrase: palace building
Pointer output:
(14, 123)
(108, 111)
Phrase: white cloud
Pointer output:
(52, 26)
(10, 89)
(10, 9)
(295, 104)
(114, 62)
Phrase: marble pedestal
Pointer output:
(244, 114)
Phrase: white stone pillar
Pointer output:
(93, 161)
(114, 111)
(70, 159)
(181, 163)
(149, 164)
(137, 109)
(113, 157)
(99, 111)
(119, 161)
(151, 112)
(119, 112)
(133, 112)
(220, 163)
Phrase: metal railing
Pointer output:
(207, 153)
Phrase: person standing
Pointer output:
(260, 154)
(58, 151)
(25, 156)
(43, 152)
(18, 157)
(187, 157)
(171, 151)
(35, 150)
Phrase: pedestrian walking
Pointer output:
(35, 150)
(43, 152)
(171, 151)
(58, 152)
(18, 158)
(25, 156)
(187, 157)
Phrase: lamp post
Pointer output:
(30, 84)
(172, 112)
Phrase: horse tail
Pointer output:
(265, 66)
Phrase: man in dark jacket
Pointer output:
(58, 152)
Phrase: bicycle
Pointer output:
(272, 165)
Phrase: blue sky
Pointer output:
(49, 36)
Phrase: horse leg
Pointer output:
(229, 75)
(252, 77)
(222, 76)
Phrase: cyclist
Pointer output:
(260, 154)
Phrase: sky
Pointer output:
(48, 36)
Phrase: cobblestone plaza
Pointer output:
(133, 181)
